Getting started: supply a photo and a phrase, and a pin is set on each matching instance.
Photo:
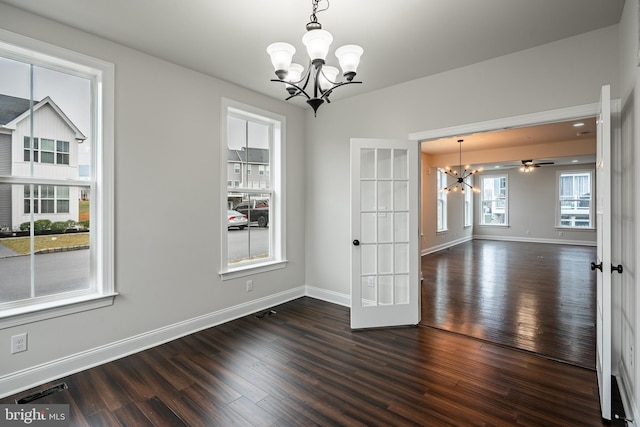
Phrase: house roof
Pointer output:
(250, 155)
(11, 107)
(14, 110)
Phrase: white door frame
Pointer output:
(545, 117)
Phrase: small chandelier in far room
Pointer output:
(317, 42)
(460, 177)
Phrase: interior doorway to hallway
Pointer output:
(507, 288)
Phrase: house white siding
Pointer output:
(47, 124)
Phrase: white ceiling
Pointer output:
(403, 39)
(579, 133)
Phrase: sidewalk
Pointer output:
(5, 252)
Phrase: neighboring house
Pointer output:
(247, 168)
(54, 154)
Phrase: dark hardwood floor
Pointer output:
(532, 296)
(303, 366)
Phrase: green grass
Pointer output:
(22, 245)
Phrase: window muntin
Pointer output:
(256, 138)
(68, 99)
(494, 200)
(575, 199)
(442, 201)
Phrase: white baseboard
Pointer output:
(329, 296)
(536, 240)
(450, 244)
(19, 381)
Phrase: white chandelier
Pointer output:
(460, 177)
(324, 76)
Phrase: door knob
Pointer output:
(594, 266)
(617, 268)
(356, 242)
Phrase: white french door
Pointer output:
(385, 257)
(603, 263)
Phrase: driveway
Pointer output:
(6, 252)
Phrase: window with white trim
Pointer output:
(56, 192)
(468, 203)
(575, 199)
(256, 137)
(494, 203)
(442, 201)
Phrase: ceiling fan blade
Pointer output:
(543, 163)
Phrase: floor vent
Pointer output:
(42, 393)
(265, 314)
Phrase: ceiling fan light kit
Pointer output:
(528, 165)
(323, 79)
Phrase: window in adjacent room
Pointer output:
(252, 226)
(442, 201)
(575, 199)
(56, 231)
(468, 203)
(494, 200)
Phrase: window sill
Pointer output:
(248, 270)
(494, 225)
(575, 229)
(48, 310)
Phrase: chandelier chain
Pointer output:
(313, 17)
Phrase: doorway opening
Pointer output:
(525, 282)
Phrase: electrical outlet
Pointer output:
(249, 285)
(18, 343)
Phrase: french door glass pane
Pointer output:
(368, 263)
(400, 164)
(368, 196)
(402, 289)
(385, 290)
(385, 195)
(369, 291)
(385, 227)
(367, 227)
(385, 259)
(384, 164)
(368, 164)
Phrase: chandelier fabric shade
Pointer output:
(321, 79)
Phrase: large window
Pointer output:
(468, 203)
(252, 218)
(575, 195)
(494, 200)
(442, 201)
(56, 158)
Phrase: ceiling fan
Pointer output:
(529, 165)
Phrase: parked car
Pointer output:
(255, 210)
(236, 219)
